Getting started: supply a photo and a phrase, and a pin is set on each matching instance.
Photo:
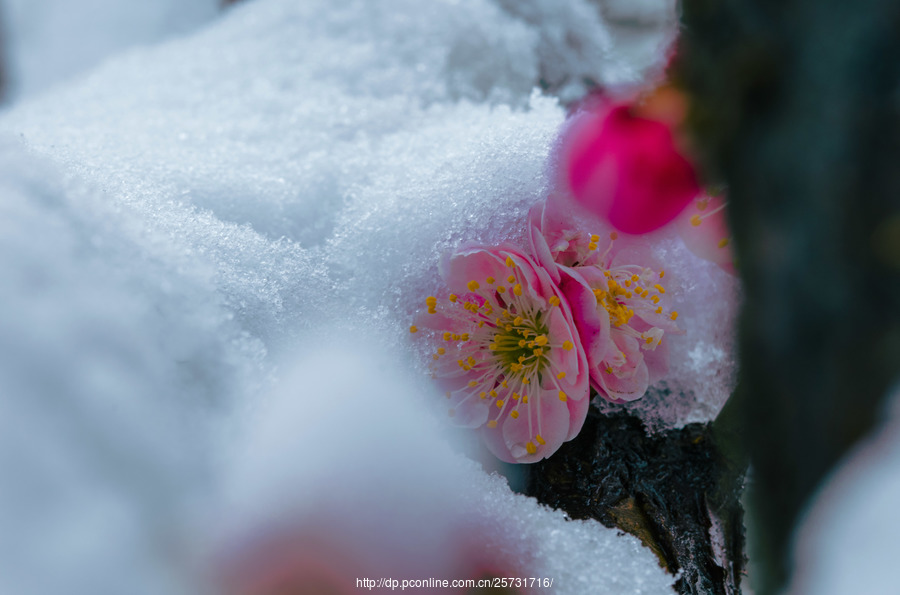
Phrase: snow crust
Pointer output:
(182, 221)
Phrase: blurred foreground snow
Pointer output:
(184, 221)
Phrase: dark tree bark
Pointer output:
(796, 107)
(674, 490)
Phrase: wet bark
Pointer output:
(796, 108)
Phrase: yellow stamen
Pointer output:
(492, 423)
(563, 397)
(509, 262)
(517, 289)
(659, 288)
(554, 301)
(540, 440)
(541, 340)
(561, 375)
(696, 220)
(453, 297)
(490, 280)
(567, 345)
(531, 448)
(500, 404)
(473, 285)
(414, 329)
(674, 316)
(514, 414)
(723, 242)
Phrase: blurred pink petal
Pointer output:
(626, 169)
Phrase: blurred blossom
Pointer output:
(344, 476)
(704, 230)
(626, 167)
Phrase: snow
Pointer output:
(847, 540)
(49, 41)
(181, 222)
(426, 510)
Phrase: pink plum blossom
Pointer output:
(626, 169)
(704, 230)
(507, 350)
(628, 298)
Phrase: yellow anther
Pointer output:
(635, 278)
(509, 262)
(508, 327)
(592, 246)
(492, 423)
(526, 381)
(518, 320)
(492, 347)
(541, 340)
(563, 397)
(554, 301)
(674, 316)
(464, 337)
(511, 279)
(483, 395)
(441, 351)
(471, 361)
(531, 448)
(501, 289)
(655, 299)
(461, 363)
(514, 414)
(499, 403)
(627, 282)
(659, 288)
(414, 329)
(595, 238)
(648, 340)
(538, 352)
(702, 204)
(522, 342)
(490, 280)
(504, 384)
(561, 375)
(696, 220)
(567, 345)
(456, 337)
(448, 336)
(608, 370)
(431, 301)
(530, 344)
(662, 274)
(431, 310)
(515, 396)
(493, 394)
(434, 356)
(525, 399)
(453, 297)
(614, 236)
(611, 284)
(472, 384)
(473, 285)
(723, 242)
(540, 440)
(607, 274)
(659, 310)
(480, 323)
(517, 289)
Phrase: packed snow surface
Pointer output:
(189, 230)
